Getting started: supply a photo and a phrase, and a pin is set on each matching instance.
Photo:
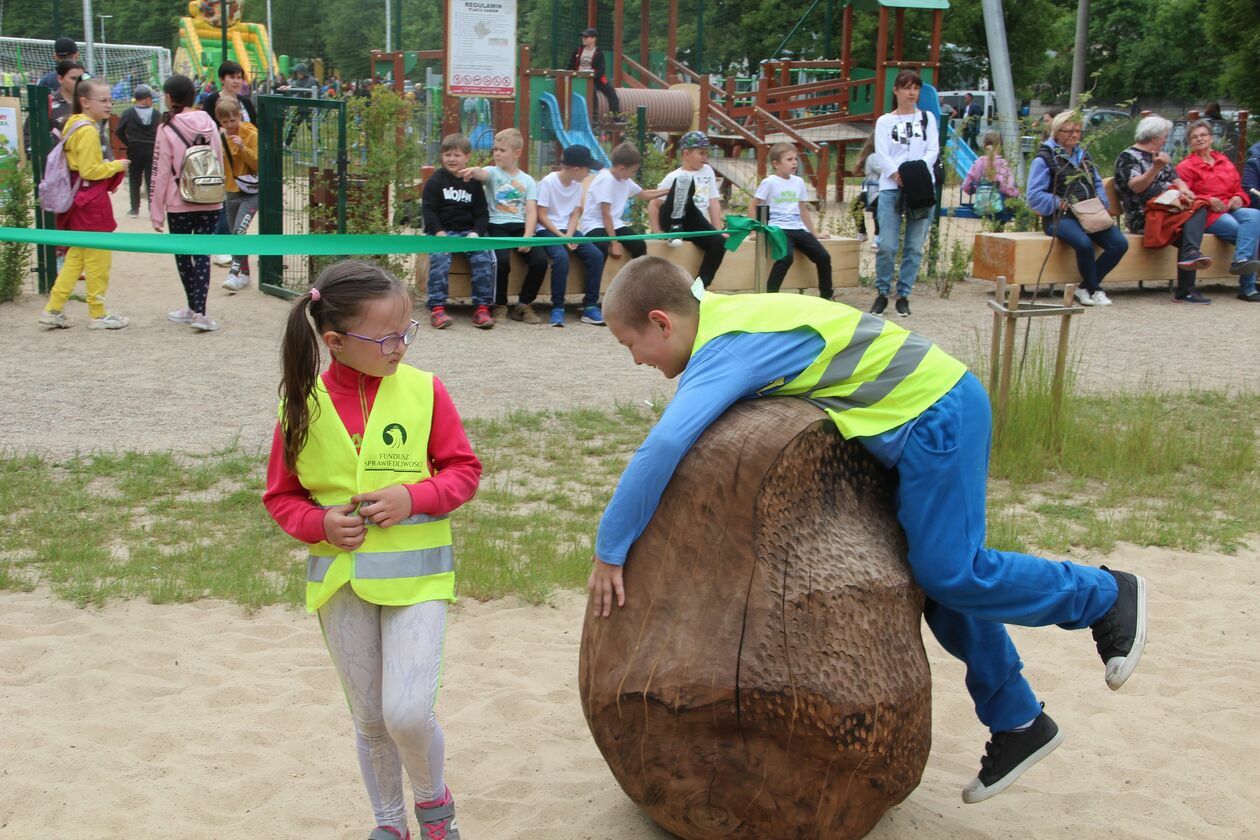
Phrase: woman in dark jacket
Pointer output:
(588, 57)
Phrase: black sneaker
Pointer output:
(1250, 297)
(1192, 296)
(880, 304)
(1009, 754)
(1121, 633)
(1244, 267)
(903, 307)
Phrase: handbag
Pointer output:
(988, 199)
(1092, 215)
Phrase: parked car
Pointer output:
(1103, 117)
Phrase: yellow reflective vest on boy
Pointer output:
(405, 563)
(871, 376)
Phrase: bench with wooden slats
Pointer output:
(1021, 258)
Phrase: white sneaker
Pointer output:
(56, 320)
(221, 259)
(203, 323)
(1082, 297)
(1100, 298)
(860, 237)
(181, 316)
(675, 243)
(875, 243)
(236, 282)
(109, 322)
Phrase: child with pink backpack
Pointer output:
(76, 187)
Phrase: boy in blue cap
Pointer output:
(918, 411)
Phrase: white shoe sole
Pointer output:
(977, 792)
(1120, 668)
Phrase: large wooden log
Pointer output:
(767, 676)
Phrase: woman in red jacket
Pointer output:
(1211, 175)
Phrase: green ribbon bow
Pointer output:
(740, 226)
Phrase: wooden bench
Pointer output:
(1018, 257)
(737, 273)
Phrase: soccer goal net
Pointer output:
(25, 60)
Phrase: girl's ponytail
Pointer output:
(300, 364)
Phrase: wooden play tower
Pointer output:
(821, 116)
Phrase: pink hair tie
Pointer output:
(314, 294)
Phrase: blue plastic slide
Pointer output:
(579, 132)
(962, 155)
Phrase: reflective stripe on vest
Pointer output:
(410, 561)
(383, 565)
(870, 376)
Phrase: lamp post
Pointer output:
(104, 70)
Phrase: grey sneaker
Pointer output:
(388, 832)
(109, 322)
(439, 821)
(181, 316)
(56, 320)
(202, 323)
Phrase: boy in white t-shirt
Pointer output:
(606, 197)
(512, 198)
(693, 203)
(559, 208)
(784, 191)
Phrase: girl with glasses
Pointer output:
(368, 462)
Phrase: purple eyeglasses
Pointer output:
(389, 343)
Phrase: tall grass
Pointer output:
(1150, 466)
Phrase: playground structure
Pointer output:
(201, 42)
(823, 106)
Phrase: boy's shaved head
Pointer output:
(645, 284)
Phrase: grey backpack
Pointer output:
(200, 172)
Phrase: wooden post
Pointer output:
(645, 55)
(899, 36)
(846, 42)
(592, 12)
(881, 58)
(1060, 358)
(619, 8)
(671, 45)
(522, 96)
(1008, 356)
(994, 359)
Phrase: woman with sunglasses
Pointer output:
(368, 463)
(1061, 175)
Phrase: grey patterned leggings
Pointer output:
(389, 660)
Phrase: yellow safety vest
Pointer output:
(405, 563)
(871, 375)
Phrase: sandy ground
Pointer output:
(200, 721)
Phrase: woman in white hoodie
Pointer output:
(181, 127)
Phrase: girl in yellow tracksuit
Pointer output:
(91, 211)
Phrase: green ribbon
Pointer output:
(310, 244)
(740, 226)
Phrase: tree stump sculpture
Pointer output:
(766, 677)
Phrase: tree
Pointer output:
(1233, 25)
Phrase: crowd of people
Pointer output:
(1166, 204)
